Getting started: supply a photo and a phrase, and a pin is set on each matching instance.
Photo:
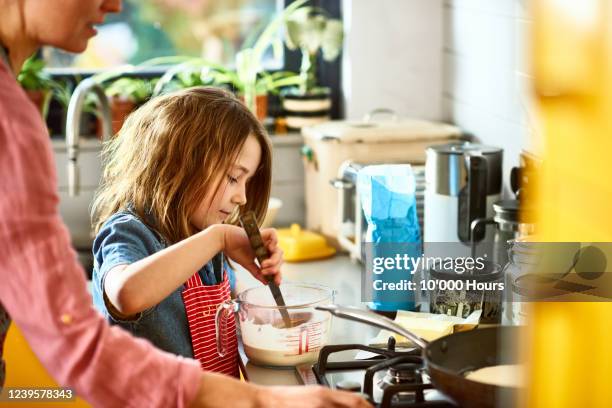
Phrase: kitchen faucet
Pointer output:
(73, 122)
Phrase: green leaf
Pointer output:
(264, 40)
(33, 75)
(62, 92)
(113, 73)
(294, 27)
(293, 34)
(313, 29)
(189, 64)
(333, 36)
(167, 60)
(135, 89)
(277, 48)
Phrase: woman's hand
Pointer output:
(217, 390)
(236, 246)
(311, 396)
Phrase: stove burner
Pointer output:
(348, 385)
(402, 373)
(402, 381)
(392, 378)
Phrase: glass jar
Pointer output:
(459, 294)
(523, 256)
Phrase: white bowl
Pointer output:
(273, 206)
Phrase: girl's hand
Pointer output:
(236, 245)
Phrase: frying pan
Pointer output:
(449, 358)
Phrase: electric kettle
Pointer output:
(462, 181)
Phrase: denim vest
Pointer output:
(125, 239)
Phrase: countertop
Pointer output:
(338, 273)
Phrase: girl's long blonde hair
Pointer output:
(169, 153)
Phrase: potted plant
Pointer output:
(185, 78)
(248, 79)
(199, 72)
(37, 83)
(265, 84)
(125, 95)
(311, 30)
(249, 59)
(124, 90)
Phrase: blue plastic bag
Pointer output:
(388, 200)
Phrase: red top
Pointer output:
(43, 287)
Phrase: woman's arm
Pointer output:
(43, 288)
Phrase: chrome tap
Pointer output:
(73, 122)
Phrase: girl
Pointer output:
(176, 177)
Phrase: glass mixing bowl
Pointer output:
(265, 338)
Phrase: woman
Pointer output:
(42, 287)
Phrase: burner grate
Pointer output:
(411, 394)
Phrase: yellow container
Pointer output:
(301, 245)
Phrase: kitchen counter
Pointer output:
(338, 273)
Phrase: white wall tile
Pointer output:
(521, 46)
(448, 105)
(486, 84)
(499, 7)
(479, 34)
(522, 9)
(485, 77)
(529, 118)
(393, 57)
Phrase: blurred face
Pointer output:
(216, 207)
(66, 24)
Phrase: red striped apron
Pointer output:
(201, 302)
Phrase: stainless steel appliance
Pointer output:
(463, 180)
(352, 225)
(512, 218)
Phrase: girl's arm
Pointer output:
(133, 288)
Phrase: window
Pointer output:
(212, 29)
